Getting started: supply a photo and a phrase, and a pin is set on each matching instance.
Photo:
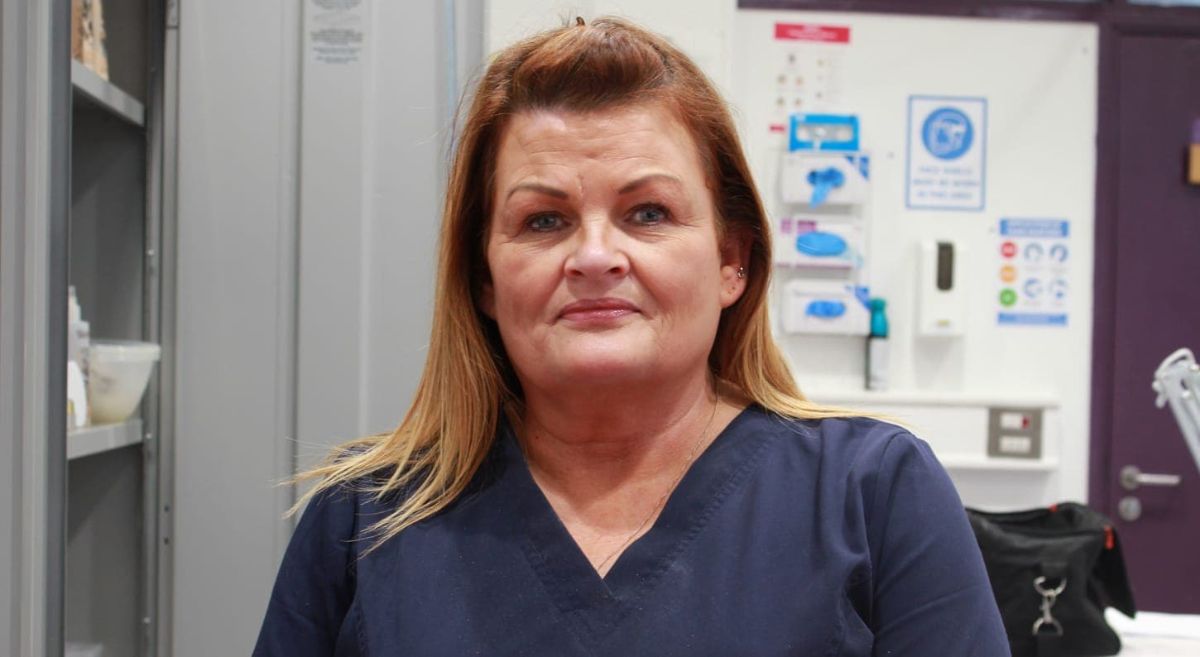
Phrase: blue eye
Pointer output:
(544, 223)
(649, 215)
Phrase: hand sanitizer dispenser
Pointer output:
(941, 297)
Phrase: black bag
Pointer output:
(1054, 571)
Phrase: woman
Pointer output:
(607, 454)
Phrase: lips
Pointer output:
(592, 310)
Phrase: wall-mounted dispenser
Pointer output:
(830, 307)
(818, 242)
(817, 179)
(820, 227)
(941, 294)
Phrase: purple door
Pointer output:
(1148, 305)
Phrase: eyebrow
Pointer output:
(647, 179)
(631, 186)
(537, 187)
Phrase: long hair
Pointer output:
(468, 380)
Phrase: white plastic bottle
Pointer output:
(78, 341)
(877, 347)
(74, 316)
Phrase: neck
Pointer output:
(581, 442)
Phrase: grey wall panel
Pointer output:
(235, 220)
(408, 119)
(333, 228)
(367, 139)
(375, 136)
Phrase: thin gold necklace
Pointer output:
(662, 501)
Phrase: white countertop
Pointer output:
(1153, 634)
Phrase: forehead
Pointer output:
(612, 141)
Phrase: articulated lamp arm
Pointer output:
(1177, 381)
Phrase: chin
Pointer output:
(605, 372)
(604, 364)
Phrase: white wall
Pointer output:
(1039, 80)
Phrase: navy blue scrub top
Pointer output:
(833, 537)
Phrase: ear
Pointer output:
(735, 257)
(487, 300)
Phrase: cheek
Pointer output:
(522, 283)
(688, 281)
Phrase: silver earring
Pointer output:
(741, 272)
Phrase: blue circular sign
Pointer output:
(947, 133)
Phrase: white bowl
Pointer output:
(118, 371)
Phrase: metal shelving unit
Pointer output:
(91, 88)
(81, 185)
(114, 498)
(103, 438)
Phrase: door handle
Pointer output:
(1133, 478)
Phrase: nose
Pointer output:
(597, 251)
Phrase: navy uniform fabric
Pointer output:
(822, 538)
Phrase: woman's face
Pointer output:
(603, 249)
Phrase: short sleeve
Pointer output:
(932, 595)
(316, 582)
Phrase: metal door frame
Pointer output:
(161, 230)
(1176, 24)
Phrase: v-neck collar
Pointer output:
(596, 605)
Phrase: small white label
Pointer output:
(1016, 444)
(1015, 421)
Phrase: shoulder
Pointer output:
(343, 498)
(345, 511)
(331, 516)
(856, 441)
(869, 444)
(855, 459)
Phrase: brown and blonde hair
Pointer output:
(468, 381)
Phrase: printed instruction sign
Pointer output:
(336, 30)
(1033, 272)
(947, 149)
